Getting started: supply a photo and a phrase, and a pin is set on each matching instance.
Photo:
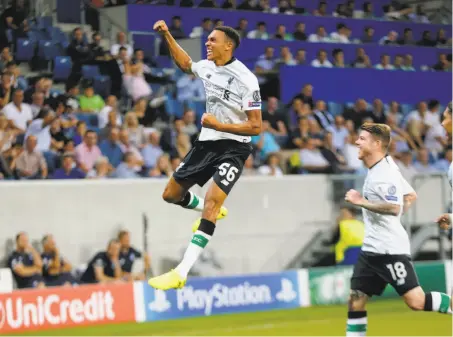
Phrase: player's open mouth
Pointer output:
(209, 52)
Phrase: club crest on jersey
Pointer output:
(230, 80)
(392, 190)
(256, 96)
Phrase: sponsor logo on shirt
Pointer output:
(254, 104)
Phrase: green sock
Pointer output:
(357, 323)
(438, 302)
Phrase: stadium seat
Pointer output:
(25, 50)
(90, 71)
(47, 50)
(102, 85)
(62, 68)
(91, 120)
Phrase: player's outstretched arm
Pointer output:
(179, 55)
(252, 127)
(408, 200)
(385, 208)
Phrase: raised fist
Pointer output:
(161, 27)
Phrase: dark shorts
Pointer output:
(373, 272)
(221, 159)
(55, 281)
(29, 282)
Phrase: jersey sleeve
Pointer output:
(98, 261)
(196, 68)
(136, 253)
(390, 191)
(407, 188)
(251, 98)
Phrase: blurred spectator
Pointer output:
(266, 71)
(407, 38)
(276, 119)
(351, 154)
(263, 6)
(81, 129)
(249, 170)
(56, 270)
(286, 58)
(58, 137)
(189, 128)
(208, 4)
(40, 128)
(443, 164)
(152, 151)
(362, 60)
(312, 158)
(134, 81)
(335, 159)
(176, 28)
(349, 10)
(68, 169)
(422, 165)
(26, 264)
(407, 63)
(426, 40)
(6, 89)
(5, 58)
(246, 5)
(368, 36)
(338, 58)
(339, 133)
(400, 137)
(391, 39)
(127, 146)
(321, 60)
(394, 111)
(306, 95)
(127, 257)
(405, 164)
(136, 131)
(97, 51)
(340, 12)
(117, 69)
(265, 142)
(79, 51)
(419, 15)
(299, 33)
(190, 87)
(70, 97)
(204, 29)
(385, 63)
(281, 34)
(322, 9)
(89, 101)
(398, 62)
(324, 119)
(284, 7)
(341, 35)
(15, 19)
(37, 103)
(368, 11)
(17, 80)
(443, 64)
(414, 123)
(182, 143)
(175, 163)
(301, 134)
(259, 33)
(301, 57)
(218, 23)
(242, 27)
(271, 166)
(111, 105)
(186, 3)
(121, 41)
(100, 170)
(229, 4)
(320, 36)
(441, 38)
(358, 113)
(31, 163)
(162, 168)
(7, 135)
(105, 266)
(127, 168)
(18, 112)
(111, 149)
(87, 153)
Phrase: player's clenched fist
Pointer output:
(353, 197)
(160, 26)
(209, 121)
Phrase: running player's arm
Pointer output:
(179, 55)
(409, 195)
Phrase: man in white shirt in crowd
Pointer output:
(320, 36)
(422, 165)
(312, 159)
(341, 35)
(40, 128)
(259, 33)
(18, 112)
(121, 41)
(406, 166)
(111, 104)
(37, 103)
(385, 63)
(321, 60)
(190, 88)
(339, 133)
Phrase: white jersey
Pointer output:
(231, 90)
(384, 234)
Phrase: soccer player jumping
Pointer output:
(385, 256)
(233, 114)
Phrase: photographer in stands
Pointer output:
(26, 264)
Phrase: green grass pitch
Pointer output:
(385, 318)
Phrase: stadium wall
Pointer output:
(84, 305)
(270, 220)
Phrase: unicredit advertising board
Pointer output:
(211, 296)
(64, 307)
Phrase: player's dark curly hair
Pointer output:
(231, 33)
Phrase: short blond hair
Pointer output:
(381, 132)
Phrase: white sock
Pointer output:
(196, 246)
(357, 323)
(440, 302)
